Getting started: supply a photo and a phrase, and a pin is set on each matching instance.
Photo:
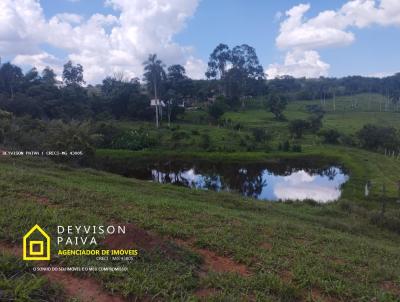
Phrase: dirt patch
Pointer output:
(40, 199)
(266, 246)
(337, 260)
(138, 238)
(220, 264)
(286, 276)
(216, 263)
(391, 287)
(84, 289)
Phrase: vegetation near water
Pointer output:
(348, 250)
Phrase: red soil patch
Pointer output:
(266, 246)
(216, 263)
(85, 289)
(220, 264)
(337, 260)
(137, 238)
(391, 287)
(286, 276)
(39, 199)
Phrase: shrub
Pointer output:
(178, 135)
(285, 146)
(217, 109)
(298, 127)
(237, 127)
(205, 142)
(134, 140)
(330, 136)
(378, 138)
(296, 148)
(260, 134)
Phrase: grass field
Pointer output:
(188, 133)
(290, 251)
(206, 246)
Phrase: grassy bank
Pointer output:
(291, 251)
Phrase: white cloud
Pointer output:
(302, 37)
(382, 74)
(301, 185)
(69, 18)
(195, 68)
(299, 177)
(306, 191)
(299, 63)
(40, 61)
(21, 27)
(103, 44)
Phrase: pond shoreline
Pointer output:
(259, 175)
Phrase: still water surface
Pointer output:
(279, 180)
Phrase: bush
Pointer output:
(298, 127)
(237, 127)
(108, 133)
(134, 140)
(386, 222)
(260, 134)
(217, 109)
(285, 146)
(348, 140)
(178, 135)
(296, 148)
(205, 142)
(330, 136)
(378, 138)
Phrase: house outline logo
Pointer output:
(29, 253)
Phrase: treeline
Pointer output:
(326, 88)
(234, 74)
(42, 96)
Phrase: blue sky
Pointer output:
(375, 50)
(359, 45)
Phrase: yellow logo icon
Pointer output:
(36, 244)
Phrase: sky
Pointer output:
(292, 37)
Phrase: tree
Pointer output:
(48, 76)
(154, 76)
(315, 122)
(298, 127)
(330, 136)
(217, 109)
(10, 77)
(248, 68)
(218, 62)
(276, 104)
(243, 75)
(73, 75)
(124, 98)
(176, 73)
(379, 138)
(244, 58)
(32, 76)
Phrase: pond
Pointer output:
(282, 180)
